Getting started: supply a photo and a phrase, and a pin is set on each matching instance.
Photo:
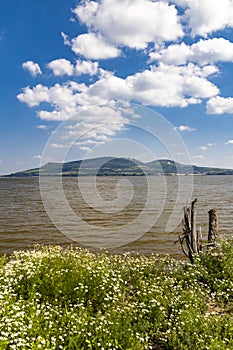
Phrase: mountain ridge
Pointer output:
(118, 166)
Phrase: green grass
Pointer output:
(51, 298)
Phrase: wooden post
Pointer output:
(193, 227)
(213, 226)
(199, 239)
(187, 233)
(187, 226)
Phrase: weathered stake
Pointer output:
(199, 239)
(187, 233)
(194, 227)
(213, 227)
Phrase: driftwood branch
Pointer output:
(181, 240)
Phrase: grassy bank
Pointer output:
(71, 299)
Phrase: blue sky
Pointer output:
(71, 60)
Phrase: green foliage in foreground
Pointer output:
(52, 298)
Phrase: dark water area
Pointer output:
(117, 213)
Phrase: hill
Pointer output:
(110, 166)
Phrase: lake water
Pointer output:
(117, 213)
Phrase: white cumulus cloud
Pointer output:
(207, 16)
(212, 50)
(86, 67)
(132, 23)
(220, 105)
(61, 66)
(180, 76)
(32, 67)
(93, 46)
(185, 128)
(203, 52)
(33, 97)
(98, 122)
(158, 86)
(229, 142)
(173, 54)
